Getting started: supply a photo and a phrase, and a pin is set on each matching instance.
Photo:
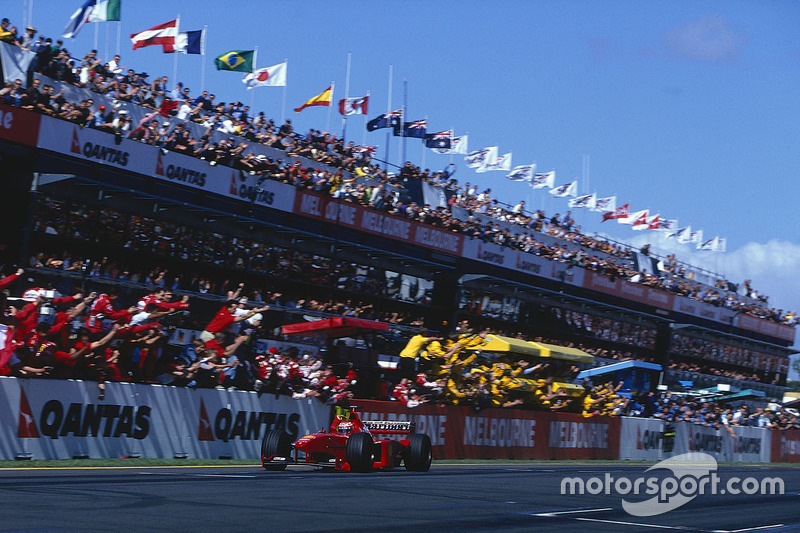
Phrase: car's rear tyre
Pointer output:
(420, 453)
(359, 452)
(275, 443)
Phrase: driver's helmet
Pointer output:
(345, 428)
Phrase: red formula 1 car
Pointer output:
(349, 446)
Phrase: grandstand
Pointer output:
(91, 207)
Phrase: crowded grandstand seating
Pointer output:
(177, 275)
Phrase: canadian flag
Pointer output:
(354, 106)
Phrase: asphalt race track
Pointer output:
(484, 497)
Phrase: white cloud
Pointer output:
(710, 39)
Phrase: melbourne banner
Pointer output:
(375, 222)
(459, 432)
(19, 126)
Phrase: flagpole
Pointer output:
(364, 129)
(423, 144)
(105, 49)
(405, 106)
(388, 110)
(346, 94)
(96, 35)
(452, 134)
(328, 122)
(252, 91)
(283, 105)
(119, 34)
(203, 59)
(175, 59)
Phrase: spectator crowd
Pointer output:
(346, 171)
(90, 336)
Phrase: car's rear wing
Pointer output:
(391, 427)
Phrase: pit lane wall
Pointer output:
(55, 419)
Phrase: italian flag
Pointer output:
(105, 10)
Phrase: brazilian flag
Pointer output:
(238, 60)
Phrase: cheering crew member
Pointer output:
(225, 317)
(408, 355)
(102, 308)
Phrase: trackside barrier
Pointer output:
(460, 432)
(786, 446)
(61, 419)
(645, 439)
(642, 439)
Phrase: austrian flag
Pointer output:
(163, 34)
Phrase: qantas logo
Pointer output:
(244, 425)
(176, 173)
(82, 420)
(98, 151)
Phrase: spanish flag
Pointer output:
(322, 99)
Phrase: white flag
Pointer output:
(522, 173)
(708, 244)
(586, 201)
(274, 76)
(682, 235)
(609, 203)
(479, 158)
(722, 245)
(668, 225)
(502, 162)
(696, 236)
(568, 189)
(542, 180)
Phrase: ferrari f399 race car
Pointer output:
(350, 445)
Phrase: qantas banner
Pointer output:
(100, 147)
(95, 146)
(55, 419)
(642, 439)
(503, 256)
(351, 215)
(19, 126)
(459, 432)
(747, 444)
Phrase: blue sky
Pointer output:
(688, 109)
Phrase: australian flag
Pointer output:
(415, 129)
(440, 140)
(392, 119)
